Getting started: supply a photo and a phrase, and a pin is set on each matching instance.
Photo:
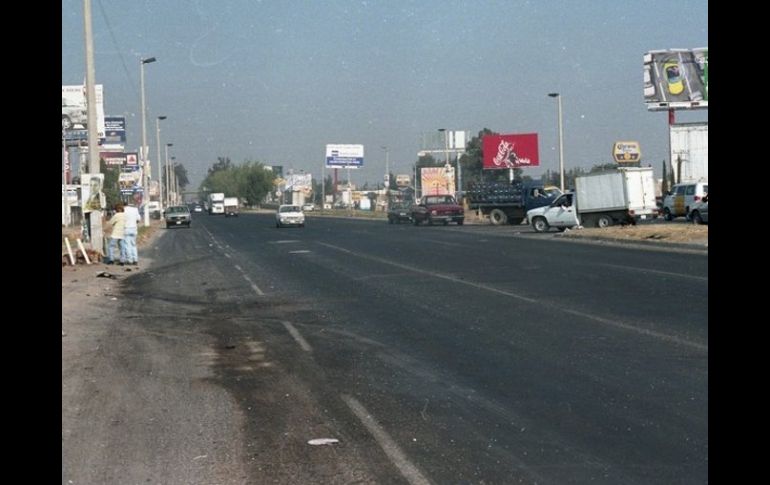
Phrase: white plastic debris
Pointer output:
(323, 441)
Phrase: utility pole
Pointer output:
(95, 218)
(160, 177)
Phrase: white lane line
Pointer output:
(409, 471)
(238, 268)
(643, 331)
(295, 333)
(645, 270)
(301, 251)
(226, 255)
(253, 286)
(431, 273)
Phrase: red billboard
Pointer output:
(510, 151)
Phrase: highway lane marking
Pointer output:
(226, 255)
(645, 270)
(408, 469)
(643, 331)
(301, 251)
(297, 337)
(431, 273)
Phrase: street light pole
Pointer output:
(561, 142)
(446, 153)
(160, 176)
(387, 177)
(145, 168)
(168, 177)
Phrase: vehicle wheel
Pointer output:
(696, 218)
(277, 225)
(188, 225)
(66, 123)
(604, 221)
(540, 224)
(390, 220)
(416, 221)
(561, 229)
(460, 223)
(667, 214)
(498, 217)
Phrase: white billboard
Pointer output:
(344, 156)
(74, 113)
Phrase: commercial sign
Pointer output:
(676, 79)
(437, 180)
(114, 133)
(299, 181)
(626, 152)
(74, 113)
(510, 151)
(403, 180)
(344, 156)
(113, 159)
(132, 159)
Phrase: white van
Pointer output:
(682, 197)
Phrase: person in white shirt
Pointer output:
(129, 233)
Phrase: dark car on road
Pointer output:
(177, 215)
(399, 212)
(438, 208)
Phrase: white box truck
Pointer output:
(690, 150)
(601, 200)
(231, 206)
(216, 203)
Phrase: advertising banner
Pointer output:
(114, 133)
(113, 159)
(74, 113)
(626, 152)
(510, 151)
(132, 159)
(344, 156)
(676, 79)
(299, 181)
(437, 180)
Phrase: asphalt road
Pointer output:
(473, 354)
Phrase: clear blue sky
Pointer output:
(277, 80)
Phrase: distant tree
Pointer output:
(111, 185)
(223, 163)
(664, 184)
(603, 167)
(181, 175)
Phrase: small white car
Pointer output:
(308, 208)
(289, 215)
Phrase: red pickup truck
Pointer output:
(438, 208)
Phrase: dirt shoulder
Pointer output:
(672, 233)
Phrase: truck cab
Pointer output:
(561, 214)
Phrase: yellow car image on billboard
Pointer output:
(674, 77)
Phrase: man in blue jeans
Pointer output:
(117, 234)
(130, 231)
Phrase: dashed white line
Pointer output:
(408, 469)
(295, 333)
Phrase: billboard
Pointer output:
(403, 180)
(676, 79)
(113, 159)
(132, 159)
(626, 152)
(510, 151)
(437, 180)
(299, 181)
(114, 133)
(74, 114)
(344, 156)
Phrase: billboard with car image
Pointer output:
(676, 79)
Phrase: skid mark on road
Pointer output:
(432, 273)
(480, 286)
(645, 270)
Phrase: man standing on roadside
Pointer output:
(130, 232)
